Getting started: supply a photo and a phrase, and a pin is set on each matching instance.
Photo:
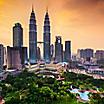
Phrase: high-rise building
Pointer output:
(99, 55)
(52, 50)
(24, 56)
(67, 51)
(63, 56)
(32, 39)
(16, 57)
(13, 58)
(80, 53)
(38, 54)
(46, 39)
(5, 56)
(17, 35)
(86, 54)
(1, 57)
(58, 49)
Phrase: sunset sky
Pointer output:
(81, 21)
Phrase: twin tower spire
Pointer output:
(33, 38)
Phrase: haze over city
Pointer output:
(80, 21)
(51, 51)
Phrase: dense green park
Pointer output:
(28, 88)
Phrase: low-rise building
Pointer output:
(96, 71)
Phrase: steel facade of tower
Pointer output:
(58, 49)
(1, 57)
(17, 35)
(46, 39)
(32, 39)
(67, 51)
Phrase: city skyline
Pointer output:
(87, 26)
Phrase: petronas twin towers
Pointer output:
(33, 39)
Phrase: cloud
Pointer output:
(84, 4)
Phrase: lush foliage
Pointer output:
(27, 88)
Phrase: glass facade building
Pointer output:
(32, 39)
(67, 51)
(46, 39)
(17, 35)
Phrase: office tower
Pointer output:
(89, 54)
(32, 39)
(58, 49)
(5, 57)
(13, 58)
(99, 55)
(86, 54)
(1, 57)
(24, 56)
(80, 53)
(38, 54)
(67, 51)
(16, 57)
(46, 39)
(17, 35)
(63, 56)
(52, 50)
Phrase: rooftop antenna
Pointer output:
(32, 8)
(47, 9)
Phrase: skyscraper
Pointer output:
(5, 57)
(1, 57)
(99, 55)
(38, 54)
(46, 39)
(13, 58)
(86, 54)
(52, 50)
(16, 57)
(58, 49)
(32, 39)
(17, 35)
(67, 51)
